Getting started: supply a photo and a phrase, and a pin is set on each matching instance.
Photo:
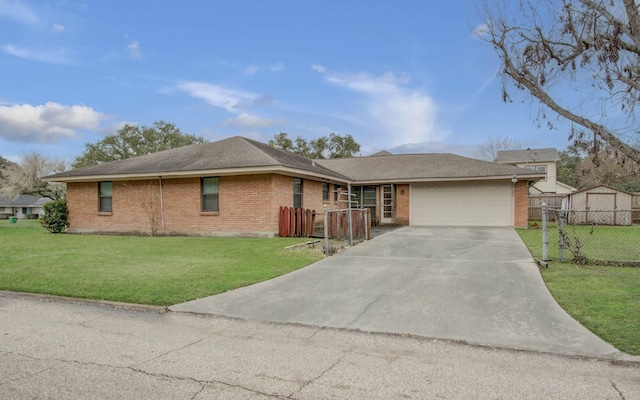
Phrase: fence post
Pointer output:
(349, 216)
(545, 239)
(562, 223)
(367, 227)
(326, 229)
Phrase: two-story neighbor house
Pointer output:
(540, 160)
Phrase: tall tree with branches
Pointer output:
(579, 58)
(135, 140)
(488, 150)
(26, 177)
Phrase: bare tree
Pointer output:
(152, 206)
(579, 58)
(26, 177)
(488, 150)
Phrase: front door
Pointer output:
(387, 208)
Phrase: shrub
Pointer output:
(56, 216)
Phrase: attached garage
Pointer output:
(462, 204)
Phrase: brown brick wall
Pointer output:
(402, 204)
(521, 204)
(249, 205)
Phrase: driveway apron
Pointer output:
(476, 285)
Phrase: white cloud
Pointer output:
(18, 11)
(407, 115)
(53, 56)
(254, 69)
(252, 121)
(251, 70)
(480, 31)
(134, 49)
(318, 68)
(46, 123)
(58, 28)
(231, 100)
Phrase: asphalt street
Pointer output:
(60, 350)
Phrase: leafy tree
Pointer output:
(342, 146)
(282, 141)
(26, 177)
(334, 146)
(488, 150)
(578, 58)
(579, 168)
(56, 216)
(134, 140)
(568, 165)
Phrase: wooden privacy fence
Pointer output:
(338, 224)
(297, 222)
(535, 204)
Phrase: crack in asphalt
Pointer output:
(29, 374)
(170, 351)
(202, 383)
(312, 380)
(613, 385)
(314, 333)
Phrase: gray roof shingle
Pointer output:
(24, 200)
(234, 152)
(530, 155)
(239, 152)
(417, 167)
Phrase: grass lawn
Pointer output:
(143, 270)
(598, 242)
(606, 300)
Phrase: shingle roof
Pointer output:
(420, 167)
(24, 200)
(530, 155)
(381, 153)
(234, 152)
(241, 153)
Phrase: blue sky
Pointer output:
(406, 76)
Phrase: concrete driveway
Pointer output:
(477, 285)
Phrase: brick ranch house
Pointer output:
(235, 187)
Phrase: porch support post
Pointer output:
(326, 230)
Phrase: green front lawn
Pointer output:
(598, 242)
(606, 300)
(143, 270)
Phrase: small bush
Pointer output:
(56, 216)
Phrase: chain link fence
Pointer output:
(590, 237)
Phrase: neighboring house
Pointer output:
(235, 187)
(540, 160)
(601, 205)
(24, 206)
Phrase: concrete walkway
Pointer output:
(476, 285)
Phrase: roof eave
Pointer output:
(533, 178)
(200, 173)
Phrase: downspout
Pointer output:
(161, 204)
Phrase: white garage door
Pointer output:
(462, 204)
